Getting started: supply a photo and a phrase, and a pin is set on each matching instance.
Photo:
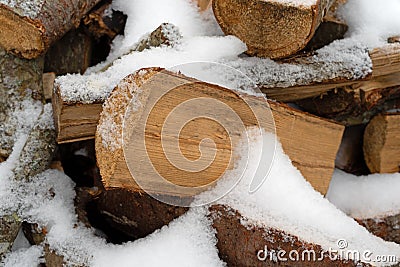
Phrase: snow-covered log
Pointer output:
(317, 166)
(29, 28)
(274, 29)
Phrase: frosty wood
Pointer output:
(385, 61)
(382, 143)
(317, 167)
(29, 29)
(274, 29)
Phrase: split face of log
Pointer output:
(382, 143)
(29, 32)
(317, 167)
(240, 245)
(270, 28)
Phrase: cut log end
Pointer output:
(29, 42)
(269, 29)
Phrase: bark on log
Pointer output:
(356, 104)
(240, 245)
(385, 62)
(387, 228)
(332, 28)
(103, 21)
(382, 143)
(270, 28)
(71, 54)
(71, 124)
(20, 79)
(317, 167)
(29, 29)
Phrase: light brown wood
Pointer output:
(270, 28)
(29, 33)
(310, 142)
(382, 143)
(204, 4)
(48, 84)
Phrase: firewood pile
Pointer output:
(66, 98)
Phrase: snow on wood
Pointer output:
(382, 143)
(274, 29)
(29, 28)
(317, 167)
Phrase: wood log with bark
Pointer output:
(29, 144)
(241, 245)
(29, 29)
(274, 29)
(317, 167)
(382, 143)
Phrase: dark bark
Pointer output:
(71, 54)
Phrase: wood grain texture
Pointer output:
(296, 130)
(382, 143)
(270, 28)
(30, 37)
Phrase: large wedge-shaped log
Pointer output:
(274, 29)
(28, 28)
(313, 152)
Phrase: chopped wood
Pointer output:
(387, 228)
(385, 61)
(240, 245)
(29, 31)
(134, 214)
(317, 167)
(350, 157)
(103, 21)
(48, 84)
(382, 143)
(357, 103)
(74, 126)
(332, 28)
(71, 54)
(271, 28)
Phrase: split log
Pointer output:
(356, 104)
(350, 157)
(71, 124)
(317, 167)
(103, 21)
(240, 245)
(385, 63)
(21, 80)
(29, 29)
(271, 28)
(71, 54)
(48, 85)
(382, 143)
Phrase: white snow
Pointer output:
(28, 8)
(372, 21)
(366, 197)
(286, 201)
